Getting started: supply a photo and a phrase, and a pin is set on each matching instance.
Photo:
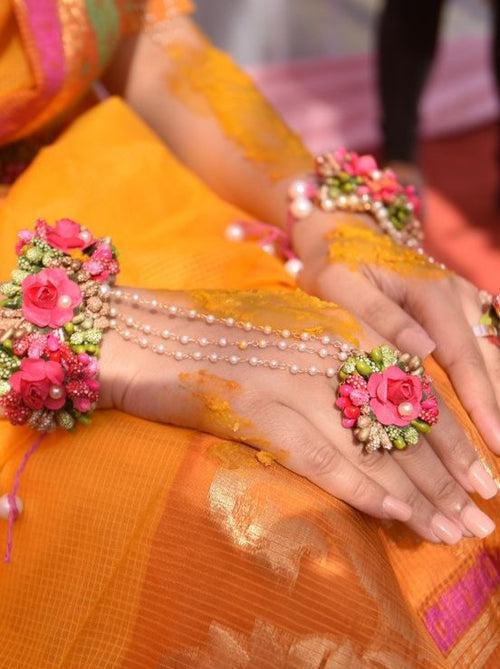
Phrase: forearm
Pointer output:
(211, 115)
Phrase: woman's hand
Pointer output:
(418, 313)
(294, 417)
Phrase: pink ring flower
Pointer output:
(40, 384)
(395, 396)
(50, 298)
(68, 235)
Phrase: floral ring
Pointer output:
(489, 323)
(386, 398)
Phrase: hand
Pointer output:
(417, 313)
(425, 486)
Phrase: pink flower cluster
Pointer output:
(50, 375)
(101, 264)
(353, 395)
(65, 236)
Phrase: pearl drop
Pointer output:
(330, 372)
(294, 266)
(234, 233)
(405, 408)
(184, 339)
(234, 359)
(64, 302)
(165, 334)
(160, 349)
(301, 207)
(268, 248)
(178, 355)
(56, 392)
(85, 236)
(5, 506)
(297, 188)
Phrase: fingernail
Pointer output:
(481, 480)
(396, 509)
(477, 521)
(416, 341)
(445, 529)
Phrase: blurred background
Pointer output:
(316, 61)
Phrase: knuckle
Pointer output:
(446, 490)
(321, 460)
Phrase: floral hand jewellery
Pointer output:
(60, 301)
(52, 319)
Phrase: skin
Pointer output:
(139, 382)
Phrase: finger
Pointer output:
(459, 456)
(361, 297)
(458, 353)
(311, 455)
(419, 461)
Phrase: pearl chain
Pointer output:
(142, 333)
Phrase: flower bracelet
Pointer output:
(52, 318)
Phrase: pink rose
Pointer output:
(40, 384)
(50, 298)
(68, 235)
(363, 165)
(396, 396)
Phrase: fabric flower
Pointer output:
(35, 383)
(68, 235)
(395, 396)
(101, 264)
(24, 237)
(50, 298)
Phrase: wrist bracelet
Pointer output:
(52, 319)
(346, 181)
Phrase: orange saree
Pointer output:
(148, 546)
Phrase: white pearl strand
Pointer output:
(140, 334)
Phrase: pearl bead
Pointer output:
(262, 343)
(192, 313)
(229, 322)
(405, 409)
(312, 371)
(325, 340)
(282, 345)
(126, 334)
(184, 339)
(247, 327)
(160, 349)
(342, 355)
(172, 310)
(301, 207)
(253, 361)
(234, 359)
(56, 392)
(328, 204)
(210, 319)
(64, 302)
(113, 312)
(112, 323)
(302, 347)
(197, 355)
(213, 357)
(146, 329)
(129, 321)
(203, 341)
(297, 188)
(222, 342)
(104, 289)
(118, 294)
(85, 236)
(165, 334)
(285, 334)
(294, 266)
(143, 342)
(304, 336)
(234, 233)
(5, 506)
(153, 304)
(273, 364)
(294, 369)
(267, 329)
(345, 347)
(268, 248)
(323, 353)
(376, 175)
(136, 297)
(178, 355)
(330, 372)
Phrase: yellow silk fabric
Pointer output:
(147, 546)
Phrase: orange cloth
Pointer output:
(148, 546)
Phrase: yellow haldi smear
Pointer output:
(356, 244)
(210, 83)
(286, 309)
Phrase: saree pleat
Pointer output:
(148, 546)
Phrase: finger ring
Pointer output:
(386, 398)
(489, 323)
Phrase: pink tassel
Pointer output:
(13, 511)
